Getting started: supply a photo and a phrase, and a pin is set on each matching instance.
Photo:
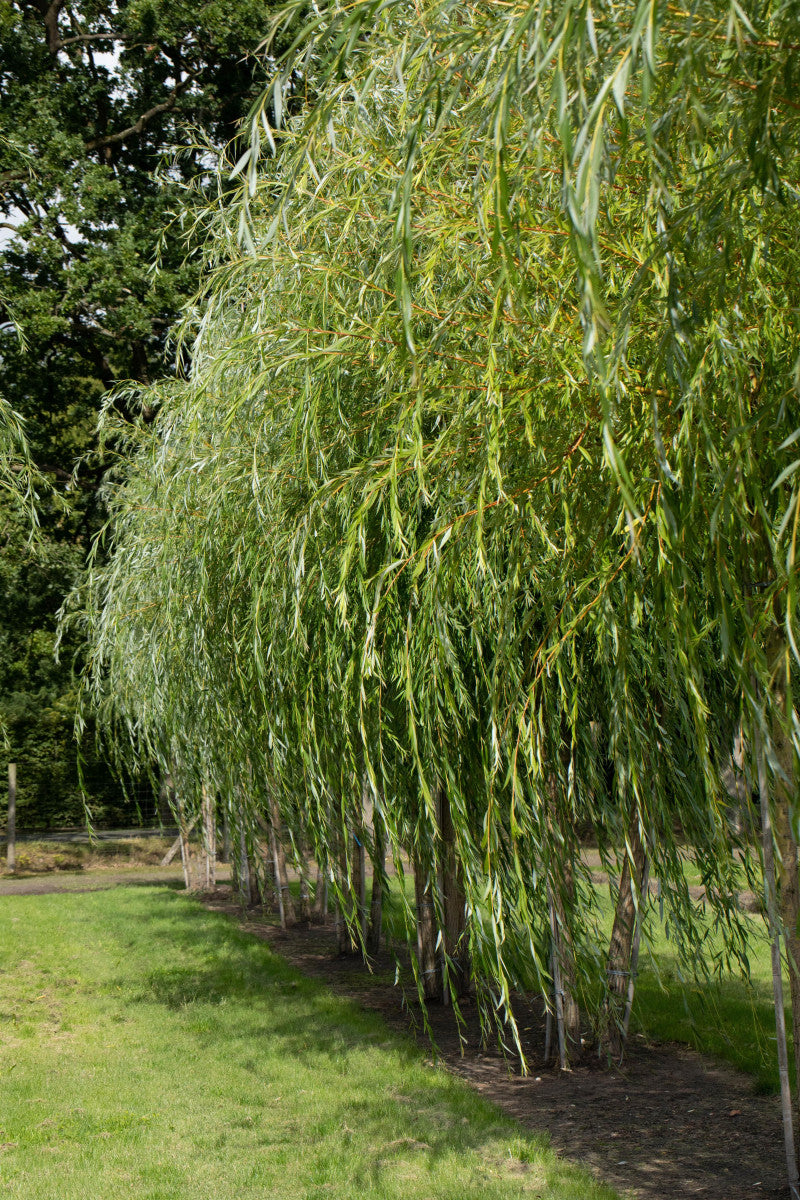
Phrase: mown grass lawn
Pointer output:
(730, 1018)
(149, 1050)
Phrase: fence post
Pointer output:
(11, 827)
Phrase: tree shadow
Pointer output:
(415, 1117)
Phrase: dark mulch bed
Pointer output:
(669, 1124)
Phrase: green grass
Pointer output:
(731, 1018)
(149, 1050)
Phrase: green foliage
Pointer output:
(93, 102)
(481, 472)
(39, 697)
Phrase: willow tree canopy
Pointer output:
(482, 474)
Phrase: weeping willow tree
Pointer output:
(478, 496)
(18, 478)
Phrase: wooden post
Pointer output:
(176, 845)
(346, 912)
(285, 901)
(455, 959)
(191, 867)
(320, 895)
(185, 852)
(549, 1011)
(625, 930)
(11, 827)
(304, 905)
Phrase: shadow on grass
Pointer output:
(243, 1003)
(207, 961)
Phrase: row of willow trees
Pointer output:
(474, 507)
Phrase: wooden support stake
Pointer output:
(376, 899)
(11, 827)
(176, 845)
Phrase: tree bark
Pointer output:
(378, 867)
(209, 826)
(429, 969)
(346, 913)
(188, 860)
(568, 1015)
(285, 903)
(620, 949)
(454, 901)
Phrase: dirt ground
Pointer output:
(669, 1124)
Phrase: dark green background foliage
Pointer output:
(93, 96)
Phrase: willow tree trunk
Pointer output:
(188, 860)
(320, 910)
(378, 868)
(568, 1017)
(304, 904)
(285, 903)
(209, 833)
(427, 958)
(454, 903)
(346, 910)
(619, 966)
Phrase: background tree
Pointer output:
(91, 98)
